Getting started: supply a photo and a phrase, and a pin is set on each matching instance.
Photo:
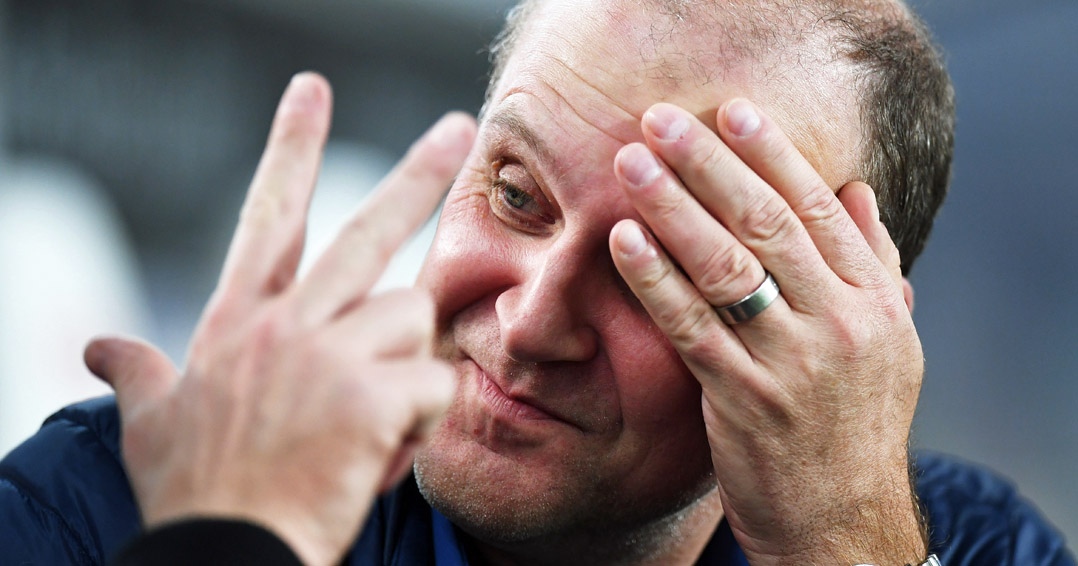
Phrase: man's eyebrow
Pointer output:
(509, 120)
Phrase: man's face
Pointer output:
(573, 411)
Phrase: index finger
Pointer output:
(401, 203)
(266, 246)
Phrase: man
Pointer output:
(673, 342)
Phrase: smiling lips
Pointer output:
(512, 408)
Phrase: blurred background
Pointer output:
(129, 131)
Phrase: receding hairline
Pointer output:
(760, 31)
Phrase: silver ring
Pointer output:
(753, 304)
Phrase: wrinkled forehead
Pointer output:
(658, 46)
(622, 56)
(608, 61)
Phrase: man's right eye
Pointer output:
(514, 196)
(520, 207)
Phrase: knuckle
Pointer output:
(818, 205)
(383, 435)
(701, 349)
(708, 157)
(888, 302)
(726, 269)
(271, 330)
(138, 441)
(417, 322)
(312, 351)
(768, 400)
(440, 386)
(768, 219)
(445, 385)
(668, 206)
(423, 319)
(650, 280)
(853, 335)
(688, 326)
(420, 305)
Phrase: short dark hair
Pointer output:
(908, 120)
(906, 101)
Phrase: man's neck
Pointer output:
(677, 539)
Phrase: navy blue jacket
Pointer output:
(65, 499)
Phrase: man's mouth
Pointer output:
(511, 406)
(505, 406)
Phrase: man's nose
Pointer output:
(543, 317)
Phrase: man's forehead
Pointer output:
(638, 52)
(660, 44)
(622, 56)
(608, 62)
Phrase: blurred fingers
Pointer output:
(136, 370)
(395, 324)
(400, 204)
(268, 241)
(422, 392)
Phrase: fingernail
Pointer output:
(741, 118)
(631, 240)
(639, 165)
(666, 122)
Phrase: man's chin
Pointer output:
(527, 504)
(499, 497)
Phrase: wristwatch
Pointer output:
(930, 561)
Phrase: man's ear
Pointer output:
(907, 293)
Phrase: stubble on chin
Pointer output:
(506, 504)
(494, 498)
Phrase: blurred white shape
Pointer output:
(67, 273)
(350, 171)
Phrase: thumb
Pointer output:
(136, 370)
(860, 202)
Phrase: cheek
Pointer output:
(465, 261)
(657, 390)
(663, 433)
(659, 396)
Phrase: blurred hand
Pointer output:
(300, 399)
(807, 405)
